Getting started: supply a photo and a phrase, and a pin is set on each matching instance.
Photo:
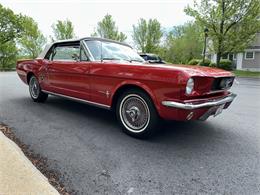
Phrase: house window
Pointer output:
(249, 55)
(235, 56)
(231, 56)
(225, 56)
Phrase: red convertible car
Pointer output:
(112, 75)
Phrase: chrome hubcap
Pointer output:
(34, 87)
(134, 113)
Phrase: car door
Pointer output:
(101, 83)
(68, 72)
(104, 72)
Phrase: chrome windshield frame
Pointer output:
(91, 57)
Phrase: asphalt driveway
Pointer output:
(219, 156)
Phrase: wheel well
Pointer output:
(29, 75)
(122, 89)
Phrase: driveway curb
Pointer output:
(17, 174)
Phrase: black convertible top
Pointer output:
(48, 46)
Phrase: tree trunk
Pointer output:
(221, 31)
(219, 52)
(218, 58)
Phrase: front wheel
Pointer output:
(35, 90)
(136, 113)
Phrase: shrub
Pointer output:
(194, 62)
(205, 63)
(213, 65)
(225, 64)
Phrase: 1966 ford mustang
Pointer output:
(112, 75)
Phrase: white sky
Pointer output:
(86, 14)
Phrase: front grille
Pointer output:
(222, 83)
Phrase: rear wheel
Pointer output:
(137, 114)
(35, 90)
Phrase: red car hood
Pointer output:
(193, 70)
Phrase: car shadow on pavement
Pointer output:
(184, 134)
(194, 131)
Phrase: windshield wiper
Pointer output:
(110, 59)
(115, 59)
(133, 60)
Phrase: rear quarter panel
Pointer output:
(24, 67)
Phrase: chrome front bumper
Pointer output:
(191, 106)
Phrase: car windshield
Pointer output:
(112, 51)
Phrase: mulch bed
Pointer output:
(38, 161)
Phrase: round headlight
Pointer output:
(189, 86)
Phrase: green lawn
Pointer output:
(244, 73)
(6, 69)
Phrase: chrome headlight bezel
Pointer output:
(189, 86)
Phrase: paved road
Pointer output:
(219, 156)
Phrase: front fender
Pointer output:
(138, 84)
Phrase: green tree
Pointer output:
(11, 28)
(63, 30)
(232, 24)
(8, 55)
(32, 40)
(147, 35)
(183, 43)
(107, 28)
(10, 25)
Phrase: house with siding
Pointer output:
(249, 59)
